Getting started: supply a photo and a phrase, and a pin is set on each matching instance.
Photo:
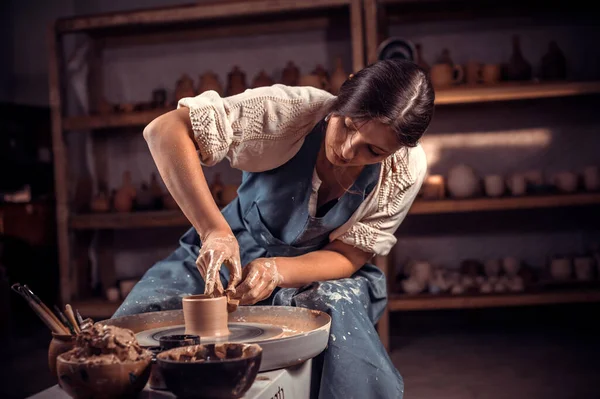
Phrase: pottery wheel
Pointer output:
(288, 335)
(239, 332)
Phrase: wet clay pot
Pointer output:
(60, 343)
(205, 316)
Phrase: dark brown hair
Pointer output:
(395, 92)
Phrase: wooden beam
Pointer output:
(59, 154)
(371, 30)
(356, 32)
(191, 13)
(128, 220)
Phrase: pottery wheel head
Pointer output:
(239, 332)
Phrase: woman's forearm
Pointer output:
(173, 149)
(336, 261)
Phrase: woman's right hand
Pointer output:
(219, 247)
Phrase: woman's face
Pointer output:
(347, 144)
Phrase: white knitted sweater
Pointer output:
(265, 127)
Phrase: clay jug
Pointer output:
(518, 68)
(100, 203)
(290, 75)
(338, 77)
(209, 81)
(156, 191)
(144, 198)
(125, 195)
(324, 75)
(445, 58)
(420, 61)
(236, 82)
(229, 193)
(262, 79)
(553, 65)
(216, 189)
(184, 87)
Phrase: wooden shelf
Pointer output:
(130, 119)
(97, 309)
(426, 207)
(190, 13)
(435, 302)
(457, 95)
(128, 220)
(514, 91)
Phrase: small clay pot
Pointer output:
(88, 380)
(210, 371)
(205, 316)
(59, 344)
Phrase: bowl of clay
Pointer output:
(93, 380)
(225, 370)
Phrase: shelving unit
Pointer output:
(191, 22)
(379, 16)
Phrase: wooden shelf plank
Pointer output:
(175, 218)
(97, 309)
(513, 91)
(425, 207)
(130, 119)
(455, 95)
(436, 302)
(190, 13)
(114, 220)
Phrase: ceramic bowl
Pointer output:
(223, 370)
(98, 381)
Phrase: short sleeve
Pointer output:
(243, 128)
(374, 231)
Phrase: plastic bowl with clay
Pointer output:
(225, 370)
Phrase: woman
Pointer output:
(326, 182)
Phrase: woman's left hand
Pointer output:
(259, 278)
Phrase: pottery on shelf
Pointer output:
(144, 199)
(125, 195)
(262, 80)
(156, 191)
(338, 77)
(462, 182)
(444, 57)
(209, 81)
(100, 203)
(419, 59)
(324, 75)
(229, 193)
(236, 81)
(205, 316)
(184, 87)
(290, 75)
(553, 65)
(518, 68)
(216, 189)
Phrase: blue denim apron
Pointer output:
(270, 217)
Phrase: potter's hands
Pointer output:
(219, 248)
(260, 278)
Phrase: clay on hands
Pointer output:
(218, 249)
(260, 278)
